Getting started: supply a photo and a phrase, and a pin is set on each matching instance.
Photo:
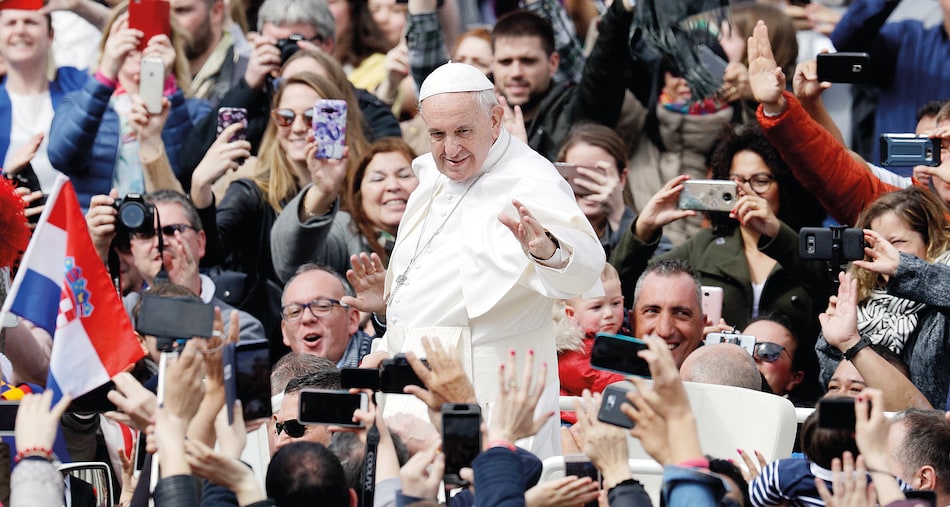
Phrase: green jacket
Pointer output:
(797, 288)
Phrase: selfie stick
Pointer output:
(368, 480)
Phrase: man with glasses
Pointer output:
(182, 249)
(313, 320)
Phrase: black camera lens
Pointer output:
(288, 47)
(132, 215)
(727, 197)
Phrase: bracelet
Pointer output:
(31, 452)
(694, 463)
(876, 471)
(853, 351)
(502, 443)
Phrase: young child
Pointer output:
(586, 318)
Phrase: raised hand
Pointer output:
(755, 212)
(662, 209)
(100, 221)
(605, 444)
(368, 279)
(529, 232)
(765, 76)
(36, 423)
(264, 61)
(805, 82)
(512, 417)
(513, 120)
(224, 155)
(445, 378)
(883, 257)
(121, 41)
(839, 322)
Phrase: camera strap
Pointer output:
(368, 478)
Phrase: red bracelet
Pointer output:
(502, 443)
(695, 463)
(34, 451)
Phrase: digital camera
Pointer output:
(135, 215)
(288, 47)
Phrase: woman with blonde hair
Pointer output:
(285, 165)
(94, 140)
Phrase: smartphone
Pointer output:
(228, 116)
(580, 466)
(336, 407)
(909, 150)
(569, 173)
(461, 438)
(94, 401)
(618, 353)
(712, 303)
(844, 67)
(152, 83)
(396, 373)
(247, 378)
(8, 410)
(152, 17)
(745, 341)
(174, 317)
(140, 452)
(819, 243)
(329, 128)
(611, 399)
(360, 378)
(708, 195)
(712, 62)
(837, 413)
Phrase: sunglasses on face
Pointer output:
(293, 428)
(768, 352)
(284, 118)
(167, 230)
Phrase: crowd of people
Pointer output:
(508, 189)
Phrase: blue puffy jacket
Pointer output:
(84, 137)
(67, 79)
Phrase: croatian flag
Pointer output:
(63, 287)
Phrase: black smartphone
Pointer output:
(844, 67)
(140, 452)
(336, 407)
(461, 438)
(837, 413)
(611, 399)
(8, 410)
(359, 378)
(247, 378)
(712, 62)
(396, 373)
(174, 317)
(618, 353)
(908, 150)
(818, 243)
(94, 401)
(580, 466)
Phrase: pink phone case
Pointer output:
(228, 116)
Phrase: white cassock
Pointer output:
(474, 287)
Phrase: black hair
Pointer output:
(302, 473)
(522, 23)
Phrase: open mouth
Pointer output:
(311, 338)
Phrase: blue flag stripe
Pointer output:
(38, 301)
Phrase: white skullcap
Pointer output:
(454, 78)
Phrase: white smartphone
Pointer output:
(152, 83)
(712, 303)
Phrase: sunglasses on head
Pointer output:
(768, 351)
(293, 428)
(285, 117)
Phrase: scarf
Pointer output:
(691, 107)
(889, 320)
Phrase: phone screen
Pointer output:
(252, 372)
(8, 410)
(172, 317)
(837, 413)
(618, 353)
(330, 407)
(461, 438)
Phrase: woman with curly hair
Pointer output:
(751, 251)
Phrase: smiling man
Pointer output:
(313, 321)
(667, 303)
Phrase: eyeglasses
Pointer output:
(318, 307)
(167, 230)
(285, 117)
(293, 428)
(768, 351)
(760, 182)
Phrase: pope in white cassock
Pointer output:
(491, 235)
